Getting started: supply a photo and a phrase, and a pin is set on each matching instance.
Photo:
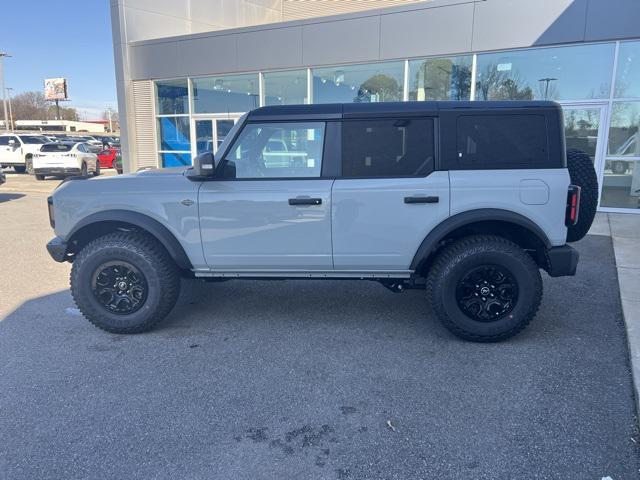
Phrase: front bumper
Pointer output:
(57, 248)
(57, 171)
(562, 261)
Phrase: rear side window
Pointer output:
(502, 141)
(55, 147)
(398, 147)
(4, 140)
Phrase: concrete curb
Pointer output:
(624, 230)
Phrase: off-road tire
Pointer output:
(468, 253)
(150, 258)
(583, 174)
(19, 168)
(39, 176)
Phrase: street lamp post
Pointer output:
(11, 122)
(4, 93)
(547, 81)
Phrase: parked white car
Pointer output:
(65, 159)
(17, 150)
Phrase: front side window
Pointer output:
(277, 150)
(396, 147)
(502, 141)
(32, 139)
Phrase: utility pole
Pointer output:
(4, 92)
(13, 127)
(110, 124)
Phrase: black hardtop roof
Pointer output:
(352, 110)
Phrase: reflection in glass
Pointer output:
(204, 136)
(283, 150)
(174, 133)
(175, 159)
(559, 73)
(285, 88)
(623, 132)
(440, 78)
(378, 82)
(581, 129)
(172, 97)
(628, 71)
(227, 94)
(621, 184)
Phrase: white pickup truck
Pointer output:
(16, 150)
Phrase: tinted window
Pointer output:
(283, 150)
(502, 141)
(55, 147)
(4, 140)
(81, 148)
(388, 148)
(33, 139)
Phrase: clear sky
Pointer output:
(68, 38)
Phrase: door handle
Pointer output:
(305, 201)
(417, 199)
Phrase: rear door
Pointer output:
(263, 216)
(388, 197)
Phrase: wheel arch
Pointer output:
(505, 223)
(101, 223)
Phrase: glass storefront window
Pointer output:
(285, 88)
(561, 73)
(225, 94)
(621, 184)
(378, 82)
(581, 127)
(446, 78)
(623, 131)
(172, 97)
(628, 71)
(175, 159)
(174, 133)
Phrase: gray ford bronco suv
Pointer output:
(466, 200)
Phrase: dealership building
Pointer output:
(186, 70)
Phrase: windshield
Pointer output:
(33, 139)
(56, 147)
(227, 140)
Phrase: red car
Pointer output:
(107, 156)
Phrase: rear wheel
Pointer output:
(28, 163)
(583, 174)
(39, 177)
(97, 170)
(484, 288)
(619, 167)
(83, 169)
(124, 282)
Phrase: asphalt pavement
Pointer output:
(305, 379)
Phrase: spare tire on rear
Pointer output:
(583, 174)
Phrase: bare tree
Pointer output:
(33, 106)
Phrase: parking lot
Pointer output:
(305, 379)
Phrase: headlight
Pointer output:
(52, 220)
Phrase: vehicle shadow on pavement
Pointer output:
(321, 379)
(7, 197)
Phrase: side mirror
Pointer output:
(204, 165)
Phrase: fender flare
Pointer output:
(144, 222)
(431, 241)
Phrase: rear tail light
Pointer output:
(573, 205)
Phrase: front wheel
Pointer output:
(96, 172)
(484, 288)
(124, 282)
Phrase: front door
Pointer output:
(584, 130)
(10, 154)
(208, 133)
(270, 209)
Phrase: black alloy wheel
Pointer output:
(487, 293)
(119, 287)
